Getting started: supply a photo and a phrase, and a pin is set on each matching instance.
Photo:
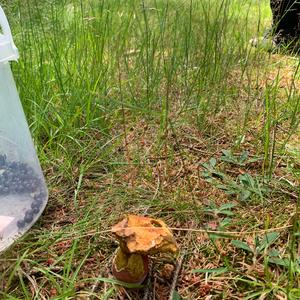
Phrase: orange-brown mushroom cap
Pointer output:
(143, 235)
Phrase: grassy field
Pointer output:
(158, 108)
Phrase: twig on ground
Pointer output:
(147, 294)
(199, 230)
(154, 287)
(176, 273)
(35, 287)
(158, 186)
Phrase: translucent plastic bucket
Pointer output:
(23, 192)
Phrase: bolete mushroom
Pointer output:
(139, 237)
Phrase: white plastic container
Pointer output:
(23, 192)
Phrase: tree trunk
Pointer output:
(286, 19)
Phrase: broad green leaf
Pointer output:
(268, 240)
(253, 183)
(227, 152)
(247, 180)
(279, 261)
(206, 174)
(254, 159)
(228, 156)
(227, 206)
(245, 194)
(228, 159)
(224, 235)
(226, 212)
(211, 271)
(274, 253)
(233, 185)
(222, 187)
(176, 296)
(209, 180)
(213, 162)
(206, 166)
(241, 245)
(225, 222)
(218, 174)
(210, 210)
(243, 156)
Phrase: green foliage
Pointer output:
(244, 185)
(260, 244)
(224, 209)
(239, 160)
(176, 296)
(271, 255)
(241, 245)
(285, 261)
(221, 215)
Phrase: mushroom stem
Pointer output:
(131, 268)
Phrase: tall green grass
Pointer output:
(82, 60)
(88, 65)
